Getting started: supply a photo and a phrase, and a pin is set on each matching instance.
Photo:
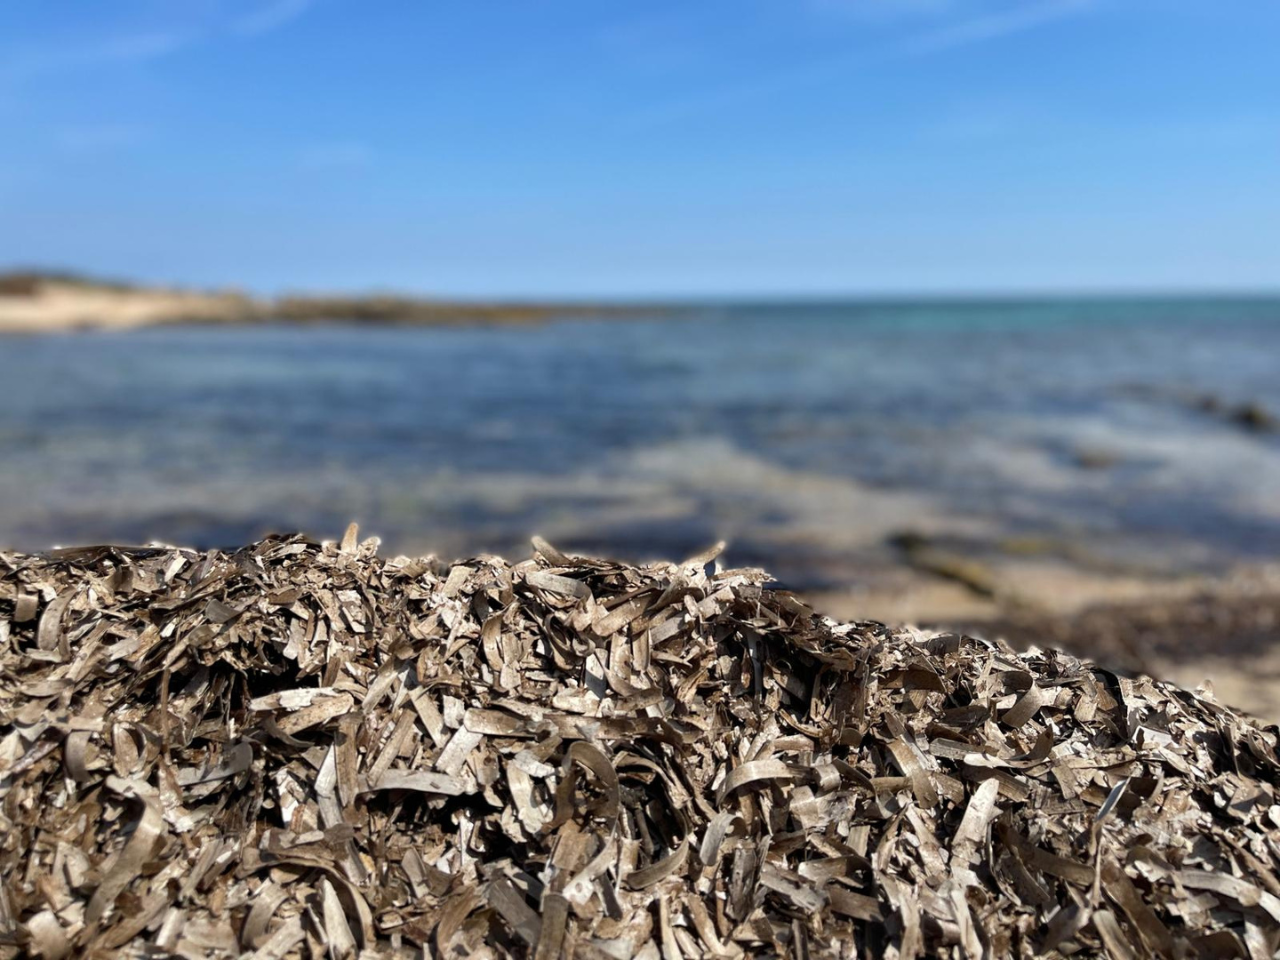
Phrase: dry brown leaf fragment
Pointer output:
(298, 749)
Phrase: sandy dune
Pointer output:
(70, 306)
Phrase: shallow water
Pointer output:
(806, 434)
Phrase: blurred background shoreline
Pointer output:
(52, 301)
(1091, 472)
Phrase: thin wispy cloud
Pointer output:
(951, 36)
(270, 17)
(46, 60)
(994, 26)
(335, 156)
(135, 47)
(96, 138)
(141, 46)
(972, 126)
(880, 9)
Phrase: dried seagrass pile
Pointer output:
(298, 749)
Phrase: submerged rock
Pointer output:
(1254, 416)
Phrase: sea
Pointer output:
(813, 437)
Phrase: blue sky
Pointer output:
(602, 147)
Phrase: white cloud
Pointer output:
(881, 9)
(48, 59)
(270, 17)
(44, 59)
(994, 26)
(957, 33)
(338, 155)
(98, 137)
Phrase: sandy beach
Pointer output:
(45, 306)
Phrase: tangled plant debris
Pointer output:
(306, 750)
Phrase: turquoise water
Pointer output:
(797, 431)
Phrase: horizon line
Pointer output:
(675, 297)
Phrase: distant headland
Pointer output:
(38, 301)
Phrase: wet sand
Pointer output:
(1222, 633)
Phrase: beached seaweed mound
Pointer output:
(298, 749)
